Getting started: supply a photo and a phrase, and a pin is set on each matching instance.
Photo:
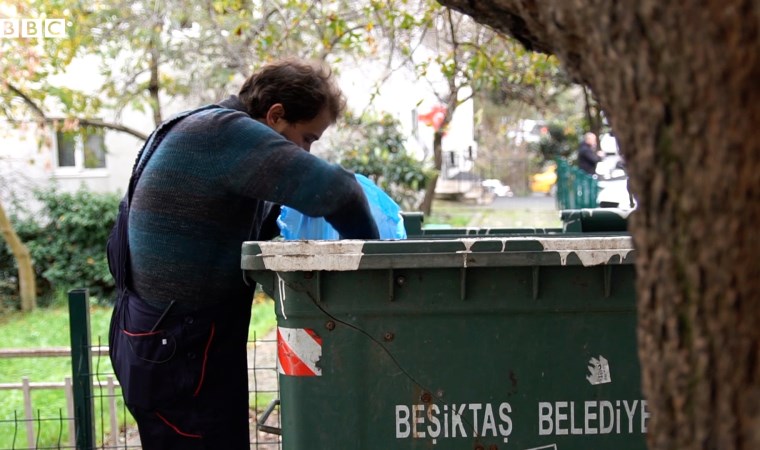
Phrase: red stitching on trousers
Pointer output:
(147, 333)
(205, 359)
(176, 429)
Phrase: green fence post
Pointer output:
(81, 358)
(564, 185)
(585, 189)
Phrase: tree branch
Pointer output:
(82, 121)
(29, 102)
(101, 124)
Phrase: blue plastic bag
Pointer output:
(297, 226)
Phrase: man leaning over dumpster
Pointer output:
(213, 180)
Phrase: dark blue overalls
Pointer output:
(183, 373)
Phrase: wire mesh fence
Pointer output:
(59, 426)
(24, 432)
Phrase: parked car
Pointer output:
(493, 185)
(612, 165)
(613, 193)
(545, 182)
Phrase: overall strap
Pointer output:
(152, 142)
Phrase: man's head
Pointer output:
(590, 139)
(298, 99)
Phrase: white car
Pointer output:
(495, 186)
(611, 165)
(613, 193)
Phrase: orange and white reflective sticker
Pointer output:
(298, 352)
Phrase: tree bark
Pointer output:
(154, 87)
(27, 282)
(679, 84)
(593, 113)
(427, 202)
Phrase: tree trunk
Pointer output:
(452, 103)
(27, 284)
(679, 84)
(427, 202)
(593, 113)
(154, 86)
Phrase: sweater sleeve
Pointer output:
(257, 162)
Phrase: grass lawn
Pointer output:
(49, 327)
(457, 214)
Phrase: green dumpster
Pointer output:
(514, 342)
(414, 228)
(586, 220)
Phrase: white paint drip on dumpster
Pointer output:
(467, 249)
(281, 288)
(296, 256)
(590, 251)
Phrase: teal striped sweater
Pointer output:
(209, 180)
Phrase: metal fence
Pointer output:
(93, 415)
(575, 188)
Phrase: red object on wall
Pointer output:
(434, 118)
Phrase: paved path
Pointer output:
(537, 210)
(535, 202)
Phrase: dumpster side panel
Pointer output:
(515, 357)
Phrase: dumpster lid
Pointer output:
(349, 255)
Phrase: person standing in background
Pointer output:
(588, 154)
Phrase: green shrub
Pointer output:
(67, 241)
(374, 146)
(561, 142)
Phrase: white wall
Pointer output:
(28, 154)
(24, 163)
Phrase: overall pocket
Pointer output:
(159, 367)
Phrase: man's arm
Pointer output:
(259, 163)
(354, 226)
(587, 153)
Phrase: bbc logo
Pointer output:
(32, 28)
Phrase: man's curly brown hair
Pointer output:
(304, 88)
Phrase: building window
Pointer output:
(66, 149)
(81, 150)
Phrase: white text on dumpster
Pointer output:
(592, 417)
(555, 418)
(454, 420)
